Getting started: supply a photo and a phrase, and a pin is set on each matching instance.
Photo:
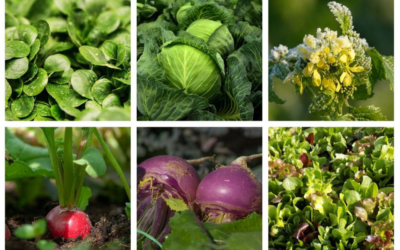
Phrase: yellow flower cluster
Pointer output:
(323, 52)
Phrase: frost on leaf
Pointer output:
(343, 16)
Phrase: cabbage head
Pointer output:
(214, 33)
(191, 68)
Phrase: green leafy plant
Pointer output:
(35, 231)
(333, 69)
(331, 188)
(68, 61)
(199, 60)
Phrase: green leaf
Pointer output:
(82, 82)
(67, 98)
(388, 64)
(26, 33)
(34, 49)
(22, 106)
(367, 113)
(16, 49)
(112, 100)
(83, 202)
(95, 56)
(57, 63)
(191, 234)
(93, 161)
(202, 115)
(32, 231)
(36, 87)
(43, 30)
(240, 87)
(280, 72)
(45, 245)
(16, 68)
(292, 183)
(8, 92)
(29, 161)
(221, 232)
(162, 103)
(176, 204)
(101, 89)
(245, 240)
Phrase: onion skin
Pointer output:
(229, 193)
(8, 233)
(68, 224)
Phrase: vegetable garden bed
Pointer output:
(331, 188)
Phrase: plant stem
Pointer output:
(246, 159)
(311, 91)
(113, 162)
(55, 163)
(150, 237)
(201, 160)
(85, 143)
(68, 167)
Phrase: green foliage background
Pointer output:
(290, 20)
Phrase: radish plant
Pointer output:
(333, 68)
(67, 220)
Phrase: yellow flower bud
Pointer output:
(345, 78)
(352, 55)
(307, 71)
(316, 78)
(297, 80)
(357, 69)
(343, 58)
(314, 58)
(328, 84)
(336, 49)
(310, 41)
(327, 50)
(331, 59)
(338, 87)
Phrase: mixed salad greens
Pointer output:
(199, 60)
(67, 60)
(331, 188)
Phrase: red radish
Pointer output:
(229, 193)
(68, 224)
(8, 233)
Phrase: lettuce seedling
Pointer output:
(342, 199)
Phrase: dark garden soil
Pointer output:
(111, 228)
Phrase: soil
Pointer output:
(111, 228)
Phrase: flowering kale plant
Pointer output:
(331, 188)
(333, 68)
